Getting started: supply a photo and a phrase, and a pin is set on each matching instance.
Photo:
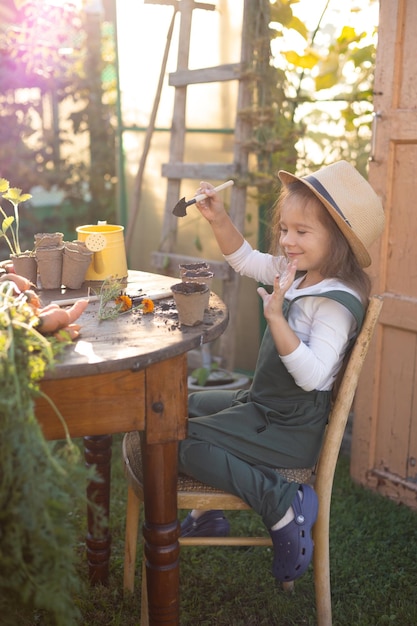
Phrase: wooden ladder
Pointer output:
(175, 170)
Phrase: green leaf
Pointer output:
(363, 55)
(325, 81)
(349, 116)
(7, 222)
(201, 375)
(328, 75)
(4, 185)
(197, 243)
(306, 62)
(329, 64)
(15, 195)
(349, 35)
(281, 13)
(299, 26)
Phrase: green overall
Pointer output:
(236, 439)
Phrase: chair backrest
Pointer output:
(329, 454)
(347, 385)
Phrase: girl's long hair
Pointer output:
(341, 262)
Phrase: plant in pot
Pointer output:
(211, 376)
(24, 262)
(215, 377)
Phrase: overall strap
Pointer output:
(351, 302)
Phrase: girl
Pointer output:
(323, 226)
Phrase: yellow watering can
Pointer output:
(107, 243)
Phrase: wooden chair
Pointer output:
(192, 494)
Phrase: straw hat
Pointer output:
(351, 202)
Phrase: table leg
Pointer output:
(160, 532)
(165, 425)
(97, 453)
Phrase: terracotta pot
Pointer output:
(193, 267)
(48, 240)
(75, 262)
(50, 266)
(199, 276)
(25, 265)
(190, 299)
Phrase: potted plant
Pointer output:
(40, 481)
(215, 377)
(24, 263)
(211, 376)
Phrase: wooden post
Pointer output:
(238, 198)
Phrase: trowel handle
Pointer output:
(202, 196)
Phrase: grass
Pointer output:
(373, 569)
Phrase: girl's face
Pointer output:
(303, 236)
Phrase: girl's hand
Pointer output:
(211, 207)
(273, 301)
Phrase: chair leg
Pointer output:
(321, 564)
(131, 539)
(144, 614)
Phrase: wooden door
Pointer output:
(384, 439)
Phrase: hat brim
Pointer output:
(358, 248)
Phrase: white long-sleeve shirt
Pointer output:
(323, 326)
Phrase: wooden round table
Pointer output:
(124, 374)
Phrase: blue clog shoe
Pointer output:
(293, 544)
(210, 524)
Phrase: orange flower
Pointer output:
(124, 302)
(147, 305)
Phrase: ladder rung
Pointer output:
(196, 5)
(199, 171)
(220, 73)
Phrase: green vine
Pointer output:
(40, 482)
